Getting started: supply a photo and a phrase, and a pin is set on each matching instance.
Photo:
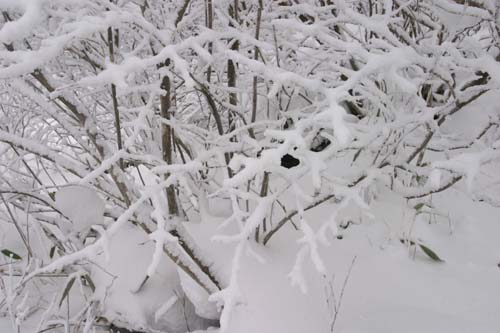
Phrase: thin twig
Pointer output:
(338, 305)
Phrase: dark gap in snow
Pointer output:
(288, 161)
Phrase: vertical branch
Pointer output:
(167, 132)
(210, 23)
(254, 83)
(166, 140)
(231, 83)
(231, 68)
(263, 192)
(113, 94)
(265, 181)
(218, 120)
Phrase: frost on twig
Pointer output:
(163, 116)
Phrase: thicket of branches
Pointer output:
(234, 101)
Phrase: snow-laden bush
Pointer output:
(136, 135)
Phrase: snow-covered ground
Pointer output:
(391, 287)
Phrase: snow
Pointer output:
(159, 304)
(391, 288)
(199, 297)
(22, 27)
(81, 205)
(388, 290)
(165, 307)
(392, 226)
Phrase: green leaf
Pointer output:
(67, 289)
(419, 206)
(10, 254)
(89, 282)
(431, 254)
(357, 155)
(52, 251)
(146, 278)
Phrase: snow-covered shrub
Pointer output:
(136, 134)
